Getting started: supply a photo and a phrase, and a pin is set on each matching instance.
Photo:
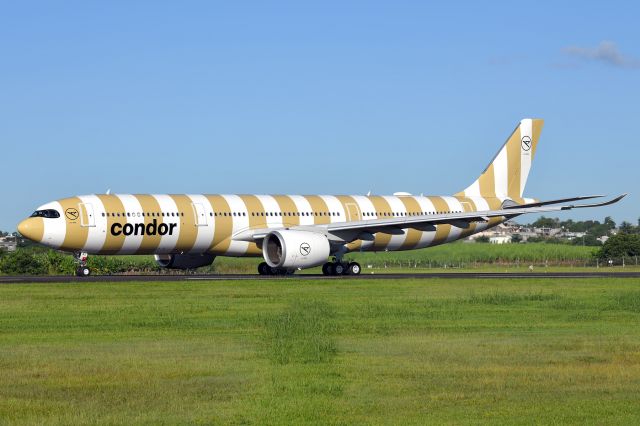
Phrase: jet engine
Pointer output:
(184, 261)
(291, 249)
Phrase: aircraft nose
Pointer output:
(32, 228)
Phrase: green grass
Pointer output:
(455, 255)
(321, 352)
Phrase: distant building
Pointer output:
(8, 243)
(500, 239)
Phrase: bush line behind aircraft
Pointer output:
(292, 231)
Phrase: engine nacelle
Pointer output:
(295, 249)
(184, 261)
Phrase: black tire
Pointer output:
(354, 268)
(83, 271)
(338, 269)
(326, 269)
(263, 268)
(274, 271)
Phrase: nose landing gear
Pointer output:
(81, 258)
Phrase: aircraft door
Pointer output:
(200, 214)
(87, 218)
(353, 212)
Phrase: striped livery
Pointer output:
(208, 223)
(235, 225)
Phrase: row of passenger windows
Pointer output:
(286, 214)
(335, 214)
(402, 214)
(141, 214)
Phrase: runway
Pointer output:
(240, 277)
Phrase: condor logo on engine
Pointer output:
(305, 249)
(141, 229)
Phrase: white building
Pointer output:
(500, 239)
(8, 243)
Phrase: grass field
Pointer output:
(321, 352)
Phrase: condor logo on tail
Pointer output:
(141, 229)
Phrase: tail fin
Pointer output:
(507, 174)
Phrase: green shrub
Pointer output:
(59, 263)
(621, 245)
(22, 262)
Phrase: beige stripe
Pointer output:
(536, 130)
(318, 205)
(76, 234)
(514, 159)
(413, 236)
(35, 228)
(488, 183)
(442, 231)
(223, 225)
(257, 219)
(469, 206)
(382, 206)
(253, 250)
(112, 204)
(346, 202)
(288, 209)
(151, 210)
(188, 229)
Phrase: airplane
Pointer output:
(292, 232)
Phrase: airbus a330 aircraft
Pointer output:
(292, 231)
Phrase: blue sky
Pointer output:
(301, 97)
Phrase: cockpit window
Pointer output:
(49, 214)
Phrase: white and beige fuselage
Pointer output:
(217, 224)
(298, 231)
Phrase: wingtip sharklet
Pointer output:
(606, 203)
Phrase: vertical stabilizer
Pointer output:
(506, 176)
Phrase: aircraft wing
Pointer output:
(349, 231)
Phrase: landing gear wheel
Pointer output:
(263, 268)
(83, 271)
(274, 271)
(354, 268)
(338, 269)
(81, 259)
(326, 268)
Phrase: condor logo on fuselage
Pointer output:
(141, 229)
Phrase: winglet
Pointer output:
(606, 203)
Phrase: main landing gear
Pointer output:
(341, 268)
(265, 269)
(81, 258)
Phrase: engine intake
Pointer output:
(184, 261)
(295, 249)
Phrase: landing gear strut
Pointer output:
(81, 258)
(337, 267)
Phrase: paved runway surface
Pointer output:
(456, 275)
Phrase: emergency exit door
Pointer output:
(200, 214)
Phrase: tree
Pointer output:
(587, 240)
(482, 239)
(626, 227)
(22, 262)
(620, 245)
(546, 222)
(609, 222)
(516, 238)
